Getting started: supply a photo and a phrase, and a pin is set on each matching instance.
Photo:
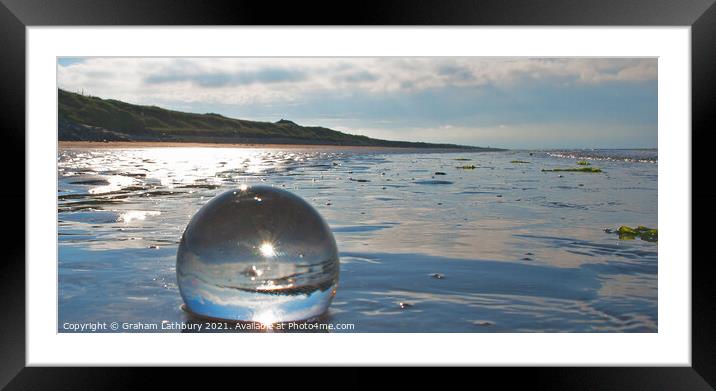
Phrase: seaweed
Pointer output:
(580, 169)
(462, 159)
(470, 167)
(641, 232)
(519, 162)
(584, 163)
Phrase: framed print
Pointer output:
(460, 185)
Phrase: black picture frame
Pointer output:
(700, 15)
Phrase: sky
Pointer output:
(514, 102)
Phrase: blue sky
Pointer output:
(506, 102)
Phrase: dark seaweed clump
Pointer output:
(580, 169)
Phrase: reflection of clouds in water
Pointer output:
(626, 285)
(549, 310)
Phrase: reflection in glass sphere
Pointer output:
(260, 254)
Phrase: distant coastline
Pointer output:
(304, 147)
(91, 119)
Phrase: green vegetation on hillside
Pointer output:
(88, 118)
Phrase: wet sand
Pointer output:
(302, 147)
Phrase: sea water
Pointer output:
(501, 247)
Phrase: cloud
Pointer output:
(265, 80)
(456, 72)
(357, 77)
(266, 75)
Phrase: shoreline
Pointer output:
(315, 147)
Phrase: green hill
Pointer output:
(88, 118)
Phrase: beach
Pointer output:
(447, 241)
(302, 147)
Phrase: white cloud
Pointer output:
(265, 80)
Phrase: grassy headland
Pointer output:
(88, 118)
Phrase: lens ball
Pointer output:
(260, 254)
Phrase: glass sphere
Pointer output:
(257, 253)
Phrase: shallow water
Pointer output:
(503, 247)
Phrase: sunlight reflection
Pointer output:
(131, 215)
(190, 165)
(266, 318)
(267, 250)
